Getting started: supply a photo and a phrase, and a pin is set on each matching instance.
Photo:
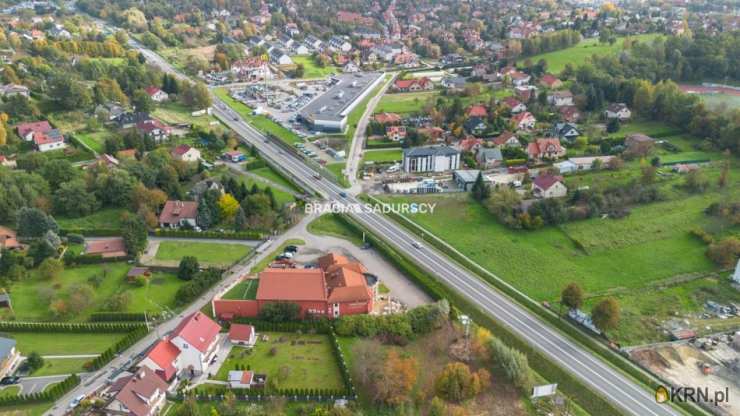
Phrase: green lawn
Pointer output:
(281, 196)
(650, 128)
(260, 122)
(104, 218)
(269, 174)
(26, 410)
(308, 363)
(208, 253)
(327, 224)
(382, 155)
(577, 55)
(311, 69)
(9, 391)
(56, 366)
(30, 296)
(652, 243)
(176, 113)
(718, 100)
(246, 289)
(63, 343)
(94, 140)
(336, 169)
(404, 103)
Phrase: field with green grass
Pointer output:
(176, 113)
(208, 253)
(336, 169)
(281, 196)
(260, 122)
(104, 218)
(652, 243)
(405, 102)
(327, 224)
(30, 297)
(246, 289)
(274, 177)
(9, 391)
(311, 69)
(382, 156)
(299, 361)
(577, 55)
(650, 128)
(56, 366)
(719, 100)
(94, 140)
(26, 410)
(63, 343)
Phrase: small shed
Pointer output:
(135, 272)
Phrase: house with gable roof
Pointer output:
(140, 394)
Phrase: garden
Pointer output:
(208, 253)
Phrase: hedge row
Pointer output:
(343, 367)
(76, 259)
(592, 343)
(49, 395)
(320, 326)
(569, 384)
(92, 232)
(217, 393)
(236, 235)
(87, 327)
(382, 145)
(121, 317)
(255, 164)
(107, 355)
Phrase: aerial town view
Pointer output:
(370, 207)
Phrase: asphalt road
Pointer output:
(605, 380)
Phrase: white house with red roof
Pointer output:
(549, 186)
(156, 94)
(188, 349)
(154, 129)
(241, 334)
(185, 153)
(523, 121)
(43, 136)
(515, 105)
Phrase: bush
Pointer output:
(75, 238)
(279, 312)
(512, 362)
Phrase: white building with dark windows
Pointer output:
(430, 159)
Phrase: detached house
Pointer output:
(550, 81)
(523, 121)
(154, 129)
(176, 214)
(519, 78)
(185, 153)
(395, 133)
(560, 98)
(549, 186)
(140, 394)
(414, 84)
(339, 44)
(618, 111)
(43, 136)
(515, 105)
(565, 131)
(545, 149)
(506, 139)
(156, 94)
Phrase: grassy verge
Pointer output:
(57, 366)
(328, 224)
(382, 156)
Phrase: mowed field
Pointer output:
(313, 70)
(382, 156)
(207, 253)
(576, 55)
(404, 103)
(652, 243)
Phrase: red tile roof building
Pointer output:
(547, 148)
(107, 248)
(140, 394)
(413, 84)
(178, 213)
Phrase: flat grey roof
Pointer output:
(330, 105)
(429, 151)
(468, 176)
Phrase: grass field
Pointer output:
(269, 174)
(246, 289)
(652, 243)
(9, 391)
(215, 254)
(311, 69)
(650, 128)
(260, 122)
(404, 103)
(382, 156)
(308, 364)
(718, 100)
(327, 224)
(56, 366)
(281, 196)
(176, 113)
(577, 55)
(336, 169)
(62, 343)
(94, 140)
(26, 410)
(29, 304)
(105, 218)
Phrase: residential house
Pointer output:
(430, 159)
(350, 67)
(241, 334)
(519, 79)
(140, 394)
(10, 90)
(549, 186)
(197, 339)
(570, 113)
(109, 110)
(106, 247)
(156, 94)
(618, 111)
(300, 49)
(9, 356)
(550, 81)
(291, 29)
(251, 69)
(6, 162)
(406, 60)
(176, 214)
(477, 110)
(515, 105)
(523, 121)
(154, 129)
(545, 149)
(313, 42)
(506, 139)
(43, 136)
(163, 359)
(475, 125)
(489, 157)
(339, 44)
(469, 144)
(395, 133)
(565, 131)
(413, 84)
(455, 83)
(185, 153)
(560, 98)
(130, 119)
(525, 92)
(279, 57)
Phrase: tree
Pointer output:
(605, 314)
(118, 302)
(228, 206)
(279, 312)
(480, 190)
(32, 222)
(142, 101)
(59, 171)
(457, 383)
(240, 220)
(135, 19)
(34, 361)
(50, 269)
(394, 383)
(513, 363)
(134, 235)
(3, 135)
(204, 217)
(696, 181)
(612, 126)
(725, 253)
(197, 96)
(40, 250)
(188, 268)
(572, 296)
(69, 94)
(73, 200)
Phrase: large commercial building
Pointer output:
(329, 111)
(430, 159)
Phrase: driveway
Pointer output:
(30, 385)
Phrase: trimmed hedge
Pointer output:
(92, 232)
(72, 259)
(49, 395)
(382, 145)
(255, 164)
(66, 327)
(236, 235)
(121, 317)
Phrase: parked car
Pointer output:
(76, 401)
(6, 381)
(291, 249)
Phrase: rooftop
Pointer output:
(333, 105)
